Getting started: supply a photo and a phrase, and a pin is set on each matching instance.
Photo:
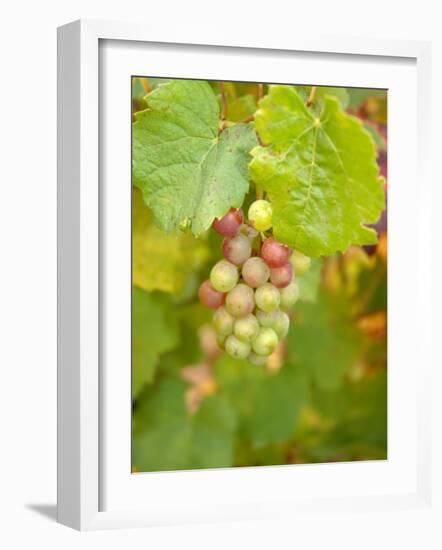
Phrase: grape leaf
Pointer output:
(378, 138)
(356, 416)
(319, 172)
(240, 108)
(323, 340)
(341, 95)
(267, 404)
(168, 438)
(187, 172)
(154, 331)
(162, 261)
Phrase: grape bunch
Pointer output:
(253, 287)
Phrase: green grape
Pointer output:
(223, 321)
(255, 272)
(240, 301)
(301, 263)
(281, 323)
(260, 215)
(258, 360)
(266, 318)
(224, 276)
(246, 329)
(266, 341)
(276, 319)
(236, 348)
(248, 231)
(221, 340)
(267, 297)
(289, 295)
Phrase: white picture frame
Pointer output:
(91, 495)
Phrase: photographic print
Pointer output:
(259, 274)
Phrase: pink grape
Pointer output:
(282, 276)
(210, 297)
(237, 249)
(275, 254)
(255, 272)
(240, 301)
(229, 224)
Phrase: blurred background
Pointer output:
(323, 395)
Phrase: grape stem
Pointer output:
(311, 97)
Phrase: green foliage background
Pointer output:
(323, 395)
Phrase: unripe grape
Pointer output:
(255, 272)
(236, 348)
(277, 320)
(289, 295)
(246, 329)
(229, 224)
(248, 231)
(300, 262)
(210, 297)
(223, 276)
(266, 318)
(281, 323)
(223, 321)
(275, 254)
(237, 249)
(260, 215)
(266, 341)
(221, 340)
(267, 297)
(258, 360)
(240, 301)
(282, 276)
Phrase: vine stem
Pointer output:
(146, 86)
(311, 97)
(223, 102)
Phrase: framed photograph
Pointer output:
(240, 324)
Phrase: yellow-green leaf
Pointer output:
(162, 261)
(320, 173)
